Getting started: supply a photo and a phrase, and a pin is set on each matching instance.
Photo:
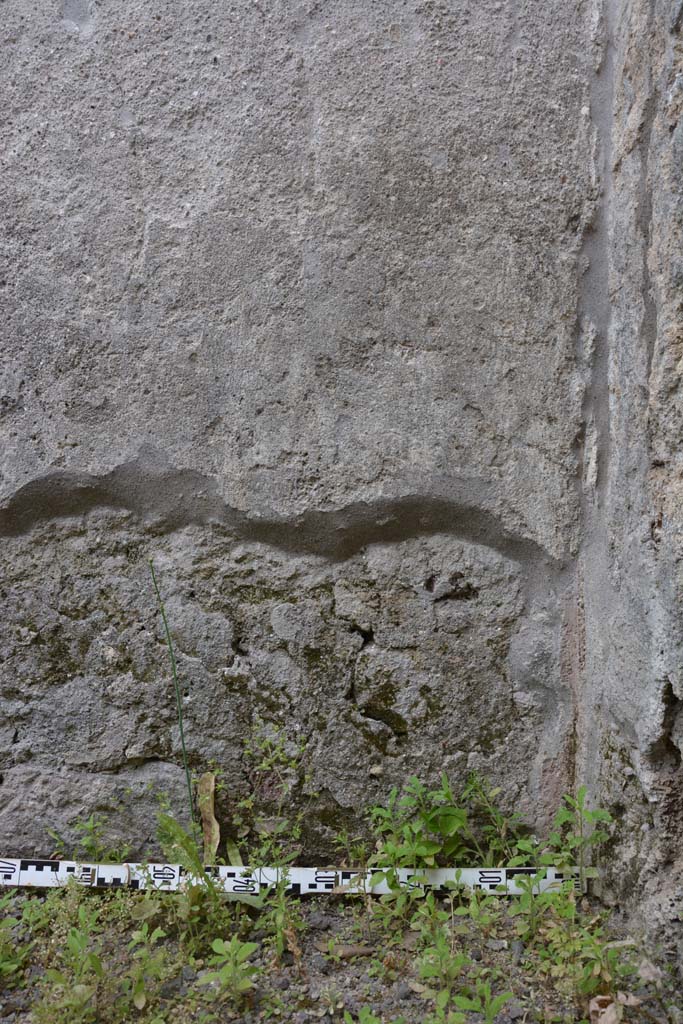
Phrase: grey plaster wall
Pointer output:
(628, 573)
(362, 320)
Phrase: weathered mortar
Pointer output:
(363, 321)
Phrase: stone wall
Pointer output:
(362, 320)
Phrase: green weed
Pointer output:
(70, 992)
(91, 842)
(268, 834)
(576, 833)
(201, 909)
(149, 969)
(281, 918)
(14, 955)
(483, 1001)
(484, 911)
(233, 977)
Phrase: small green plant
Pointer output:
(483, 1001)
(441, 969)
(417, 827)
(498, 832)
(181, 846)
(91, 843)
(14, 956)
(531, 905)
(442, 1015)
(149, 968)
(281, 919)
(262, 820)
(365, 1016)
(37, 912)
(576, 832)
(353, 849)
(423, 828)
(233, 977)
(331, 1001)
(71, 990)
(393, 911)
(201, 909)
(440, 965)
(606, 966)
(484, 911)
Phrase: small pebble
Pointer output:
(319, 963)
(172, 987)
(514, 1010)
(517, 948)
(497, 944)
(403, 991)
(320, 921)
(282, 983)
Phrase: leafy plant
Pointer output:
(392, 966)
(71, 995)
(200, 909)
(575, 833)
(365, 1016)
(499, 833)
(441, 969)
(354, 850)
(418, 826)
(91, 842)
(37, 913)
(483, 1001)
(149, 968)
(530, 905)
(281, 919)
(14, 956)
(423, 828)
(605, 967)
(274, 768)
(443, 1015)
(233, 978)
(483, 911)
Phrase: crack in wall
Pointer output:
(594, 304)
(664, 750)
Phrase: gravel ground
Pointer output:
(337, 963)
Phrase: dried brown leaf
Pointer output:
(628, 999)
(206, 792)
(597, 1008)
(348, 950)
(648, 972)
